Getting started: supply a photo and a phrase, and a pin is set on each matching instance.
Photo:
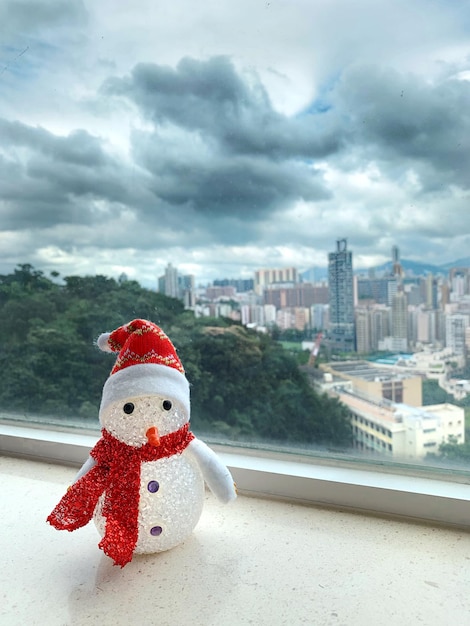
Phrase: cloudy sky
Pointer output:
(228, 136)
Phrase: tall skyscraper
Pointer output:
(171, 281)
(431, 291)
(341, 296)
(400, 321)
(187, 290)
(456, 326)
(363, 330)
(397, 269)
(176, 286)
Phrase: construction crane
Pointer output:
(315, 350)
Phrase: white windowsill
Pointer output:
(254, 561)
(365, 490)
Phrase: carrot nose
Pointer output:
(152, 436)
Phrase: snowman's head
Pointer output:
(147, 394)
(143, 419)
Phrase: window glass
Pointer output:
(281, 186)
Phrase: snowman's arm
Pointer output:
(89, 463)
(214, 472)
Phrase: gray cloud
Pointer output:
(211, 161)
(78, 148)
(210, 97)
(248, 159)
(404, 121)
(32, 16)
(220, 184)
(48, 180)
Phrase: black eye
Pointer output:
(128, 408)
(167, 405)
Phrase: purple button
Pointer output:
(153, 486)
(156, 530)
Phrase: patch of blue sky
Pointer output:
(26, 59)
(322, 102)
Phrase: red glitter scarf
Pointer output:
(117, 471)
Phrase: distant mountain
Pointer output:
(465, 262)
(415, 268)
(411, 267)
(314, 274)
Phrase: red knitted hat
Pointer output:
(147, 364)
(140, 341)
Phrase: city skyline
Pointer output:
(313, 275)
(251, 135)
(319, 274)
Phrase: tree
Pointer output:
(434, 394)
(455, 453)
(244, 385)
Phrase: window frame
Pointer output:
(438, 498)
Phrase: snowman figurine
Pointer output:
(144, 480)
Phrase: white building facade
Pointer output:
(402, 431)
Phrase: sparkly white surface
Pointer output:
(250, 562)
(175, 507)
(148, 411)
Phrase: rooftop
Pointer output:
(366, 371)
(375, 410)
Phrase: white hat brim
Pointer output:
(144, 379)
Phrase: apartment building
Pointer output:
(265, 277)
(402, 431)
(341, 298)
(456, 326)
(377, 382)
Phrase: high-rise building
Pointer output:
(397, 269)
(187, 290)
(174, 285)
(400, 319)
(445, 294)
(380, 290)
(171, 281)
(298, 295)
(456, 326)
(319, 315)
(460, 281)
(341, 296)
(380, 327)
(431, 292)
(240, 284)
(286, 275)
(363, 330)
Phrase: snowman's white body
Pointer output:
(170, 503)
(171, 492)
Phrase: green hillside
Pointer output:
(244, 385)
